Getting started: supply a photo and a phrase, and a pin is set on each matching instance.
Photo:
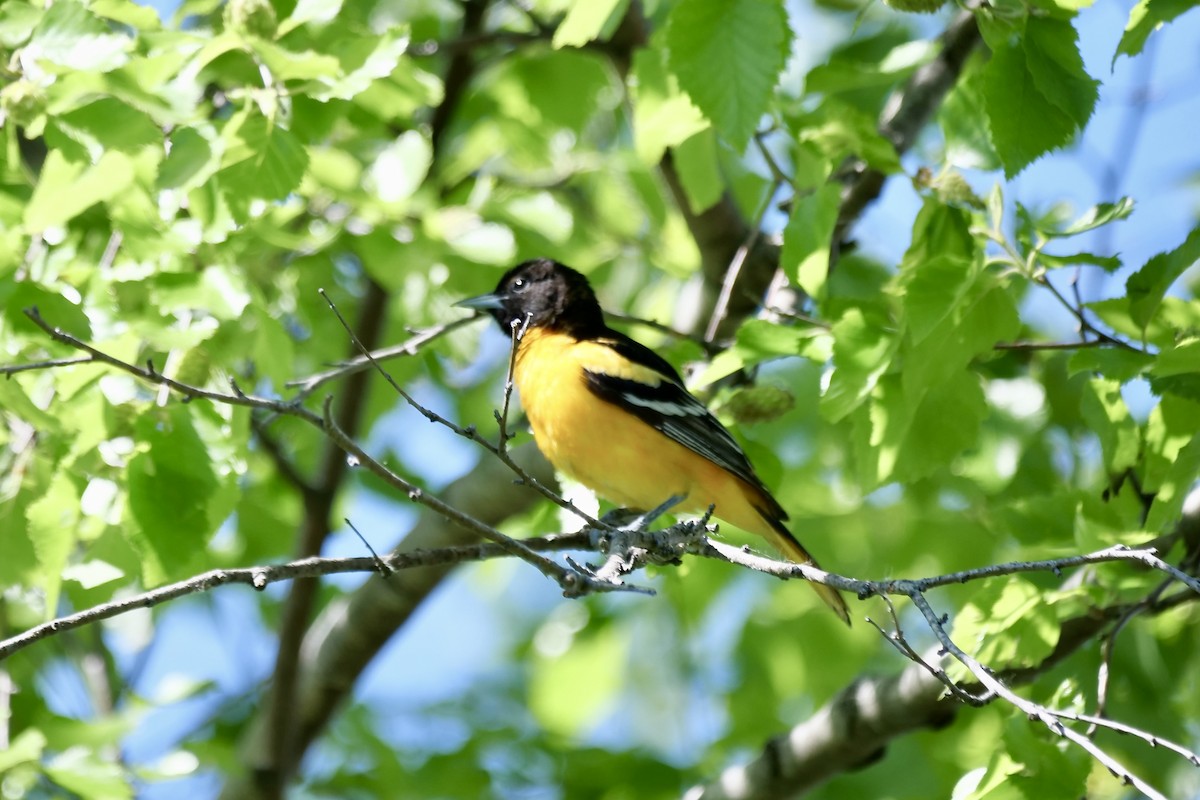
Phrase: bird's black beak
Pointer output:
(484, 302)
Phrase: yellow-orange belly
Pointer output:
(608, 449)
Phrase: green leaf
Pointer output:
(1168, 500)
(728, 57)
(938, 272)
(696, 163)
(564, 88)
(1108, 417)
(306, 11)
(847, 69)
(90, 574)
(1106, 263)
(363, 61)
(113, 125)
(26, 747)
(135, 15)
(190, 161)
(400, 168)
(919, 438)
(1116, 363)
(861, 353)
(290, 65)
(663, 116)
(963, 118)
(72, 37)
(1181, 359)
(939, 230)
(82, 771)
(1095, 217)
(587, 20)
(17, 23)
(471, 237)
(263, 160)
(1145, 18)
(1025, 124)
(935, 289)
(1146, 287)
(1052, 56)
(837, 130)
(1040, 519)
(170, 483)
(1172, 458)
(570, 693)
(808, 237)
(55, 309)
(987, 314)
(544, 213)
(1177, 370)
(53, 521)
(759, 340)
(1007, 623)
(1115, 313)
(66, 189)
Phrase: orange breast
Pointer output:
(610, 450)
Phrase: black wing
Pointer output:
(670, 409)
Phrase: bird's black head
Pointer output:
(548, 294)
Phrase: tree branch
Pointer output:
(263, 576)
(904, 115)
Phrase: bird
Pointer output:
(614, 415)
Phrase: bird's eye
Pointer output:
(519, 285)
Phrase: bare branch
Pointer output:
(851, 730)
(52, 363)
(261, 577)
(409, 347)
(709, 348)
(909, 588)
(1031, 346)
(573, 583)
(905, 114)
(469, 432)
(1035, 711)
(151, 375)
(735, 265)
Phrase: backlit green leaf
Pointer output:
(67, 188)
(1148, 285)
(728, 57)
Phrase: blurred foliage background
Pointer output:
(998, 361)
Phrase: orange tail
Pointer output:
(795, 552)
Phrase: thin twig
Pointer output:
(262, 576)
(279, 458)
(409, 347)
(709, 348)
(383, 568)
(517, 329)
(895, 637)
(469, 432)
(1085, 326)
(1035, 711)
(1108, 647)
(1119, 727)
(428, 413)
(735, 266)
(151, 375)
(572, 583)
(52, 363)
(1051, 345)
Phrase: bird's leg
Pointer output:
(642, 521)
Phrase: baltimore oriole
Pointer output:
(615, 416)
